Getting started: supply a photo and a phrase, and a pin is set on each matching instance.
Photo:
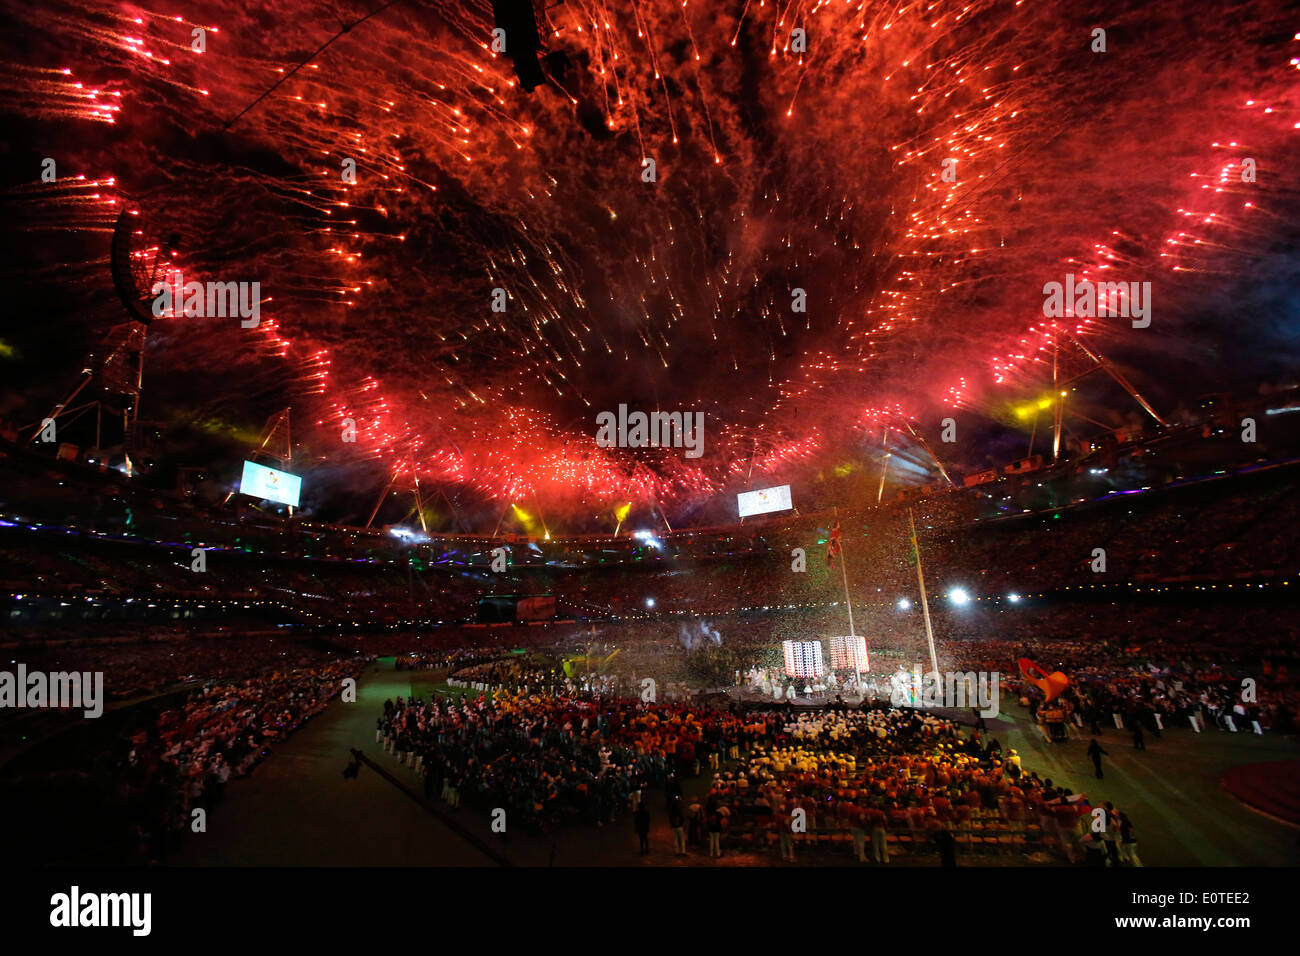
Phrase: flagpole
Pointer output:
(925, 604)
(857, 673)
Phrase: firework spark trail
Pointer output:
(777, 168)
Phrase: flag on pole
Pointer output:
(833, 546)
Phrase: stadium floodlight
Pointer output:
(1013, 597)
(904, 604)
(649, 538)
(649, 602)
(959, 596)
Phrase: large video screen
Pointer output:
(496, 608)
(539, 607)
(262, 482)
(765, 500)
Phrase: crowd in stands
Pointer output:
(1185, 536)
(137, 668)
(1207, 532)
(116, 583)
(220, 732)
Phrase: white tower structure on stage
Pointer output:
(803, 659)
(849, 652)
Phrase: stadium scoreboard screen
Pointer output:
(259, 481)
(765, 500)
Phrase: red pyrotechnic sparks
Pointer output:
(840, 227)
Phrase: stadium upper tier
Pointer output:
(115, 554)
(40, 492)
